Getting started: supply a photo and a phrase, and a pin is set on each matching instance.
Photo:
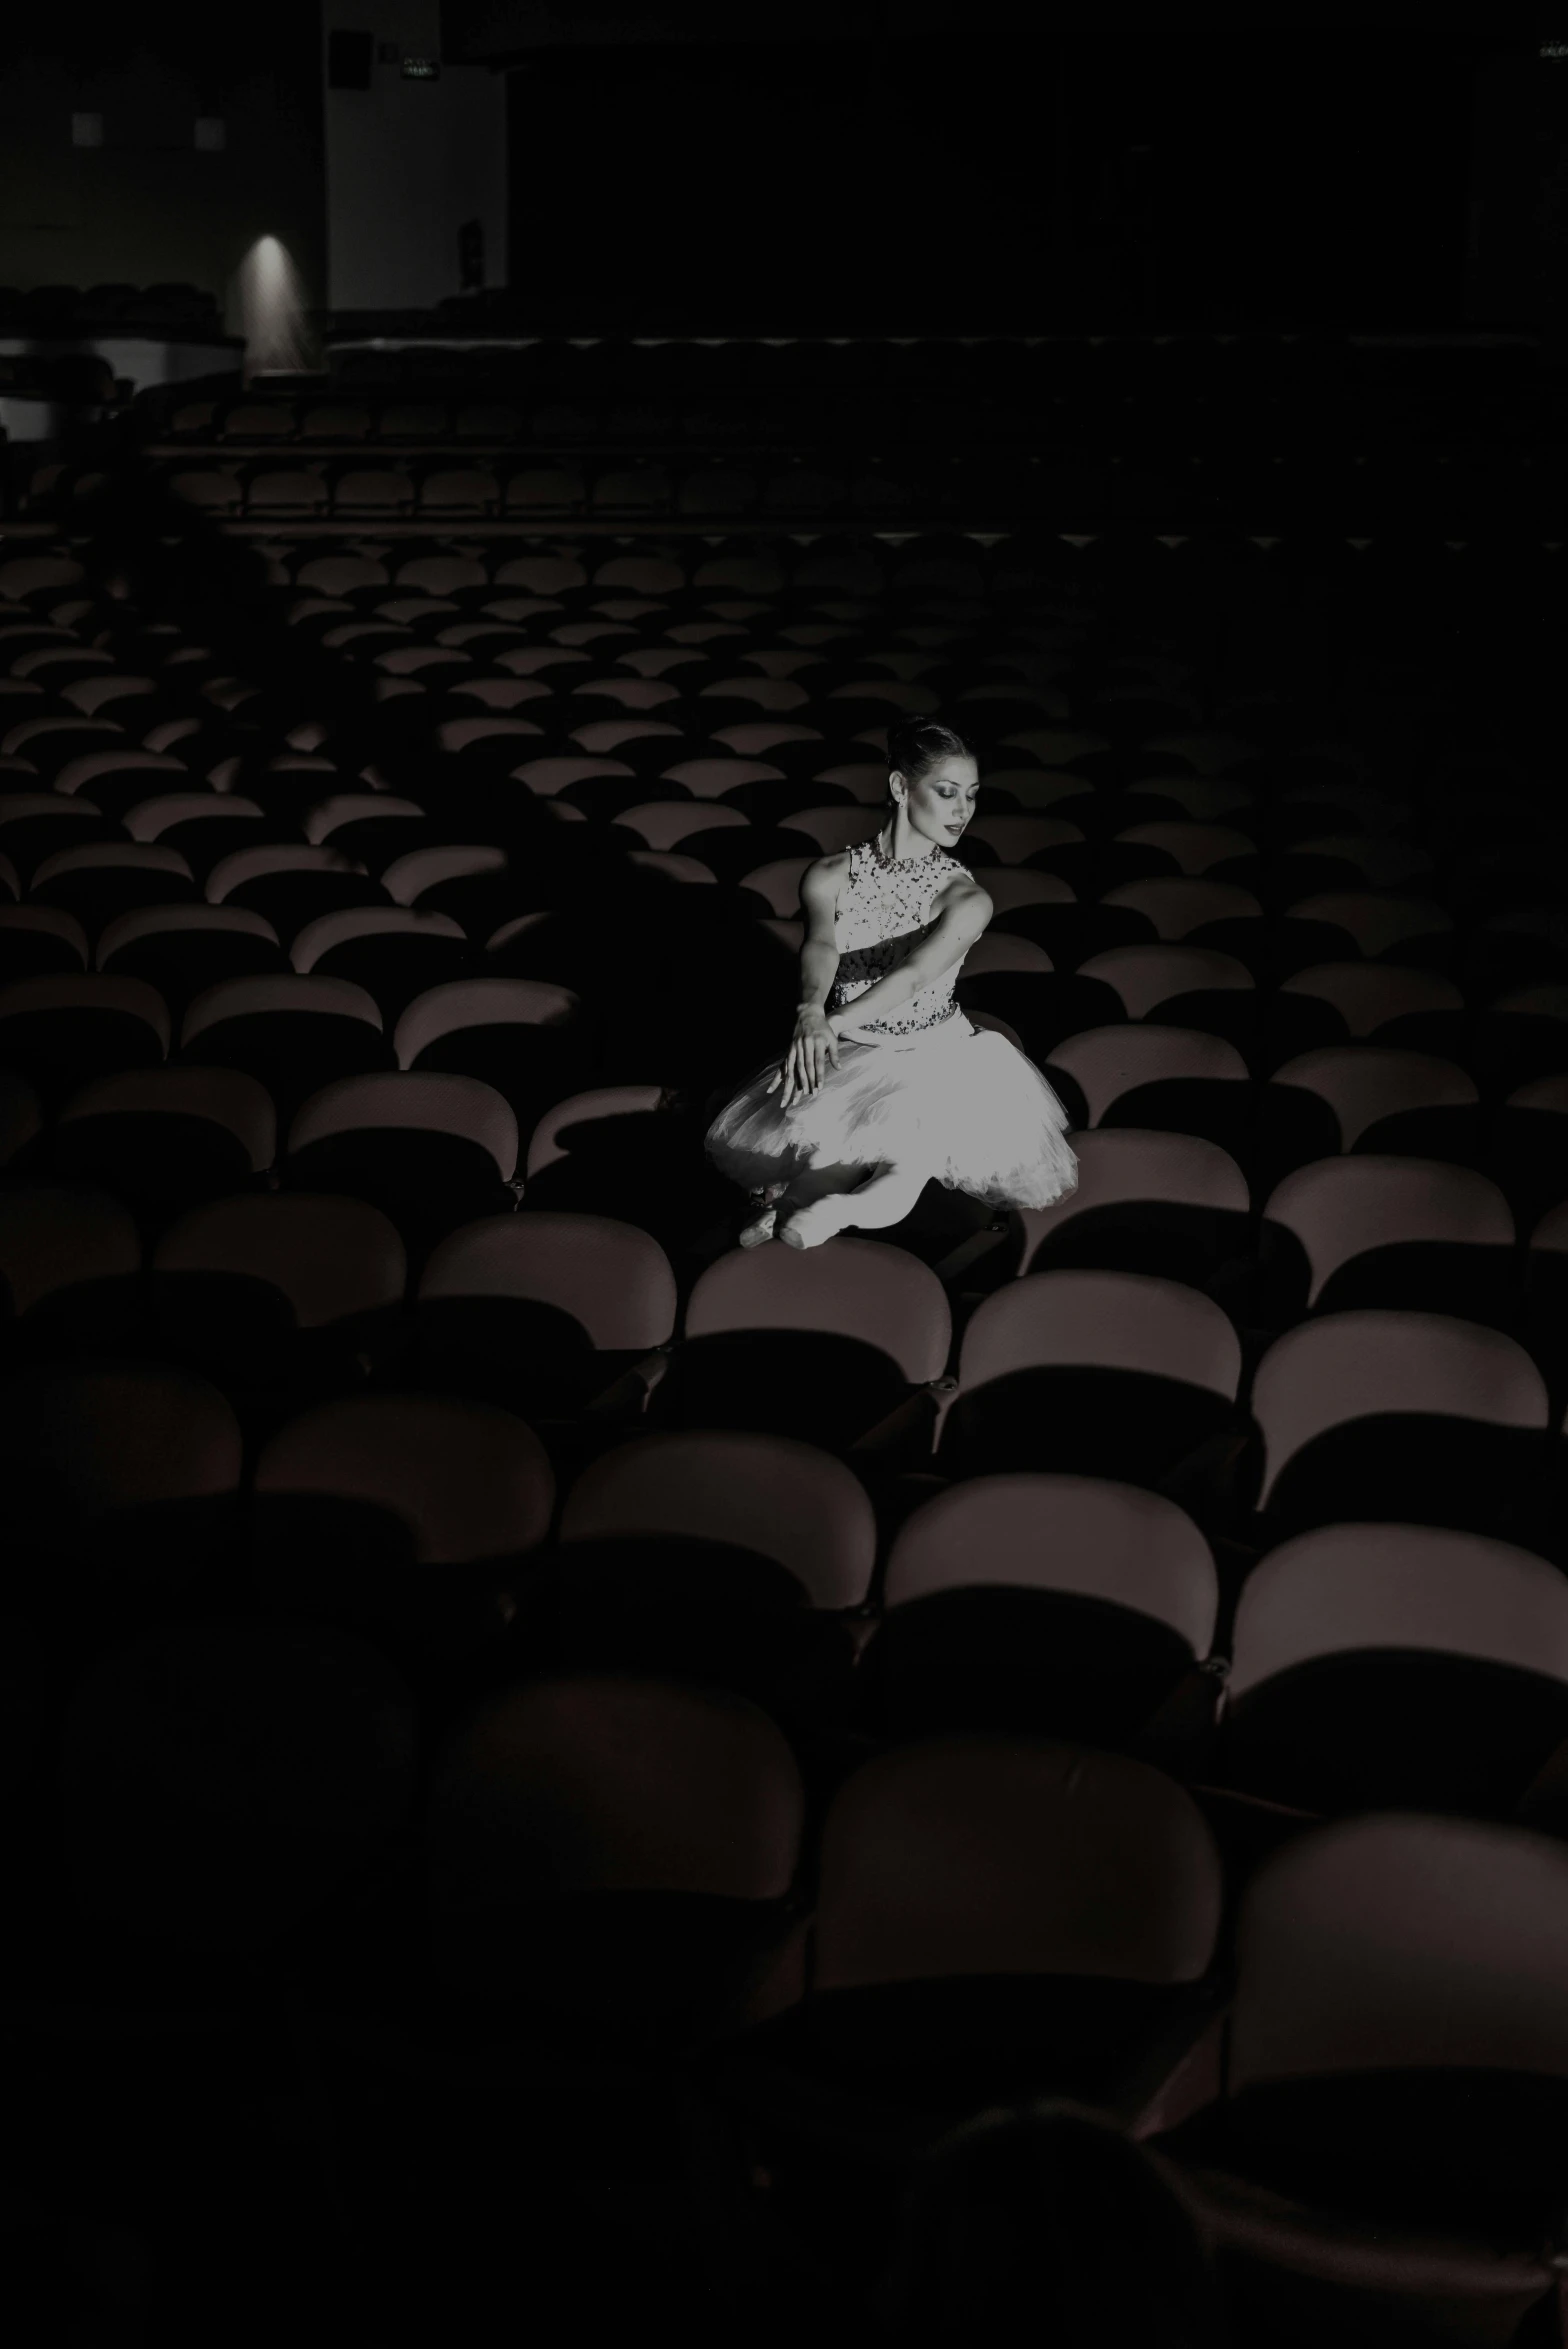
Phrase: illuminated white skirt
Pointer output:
(960, 1102)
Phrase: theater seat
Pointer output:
(1389, 1100)
(523, 1037)
(57, 1033)
(1545, 1307)
(619, 1851)
(546, 489)
(40, 942)
(824, 1344)
(630, 1152)
(35, 825)
(1395, 1415)
(1387, 1667)
(291, 884)
(1526, 1151)
(21, 1117)
(435, 1480)
(122, 1483)
(393, 952)
(731, 1558)
(183, 950)
(70, 1267)
(543, 1312)
(1065, 1605)
(1389, 1230)
(1114, 1374)
(1146, 1201)
(162, 1138)
(280, 1298)
(104, 880)
(1146, 1074)
(290, 1032)
(226, 1792)
(997, 1918)
(432, 1151)
(200, 825)
(225, 1783)
(1384, 2144)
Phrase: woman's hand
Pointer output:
(814, 1044)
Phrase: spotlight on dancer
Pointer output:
(886, 1084)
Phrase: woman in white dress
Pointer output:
(886, 1084)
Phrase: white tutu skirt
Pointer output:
(958, 1101)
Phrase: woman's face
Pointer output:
(942, 802)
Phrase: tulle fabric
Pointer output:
(962, 1102)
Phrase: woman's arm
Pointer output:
(949, 939)
(814, 1043)
(819, 955)
(818, 970)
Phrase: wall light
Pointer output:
(211, 135)
(272, 311)
(87, 130)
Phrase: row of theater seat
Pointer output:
(1222, 987)
(636, 1860)
(1066, 581)
(1112, 585)
(73, 377)
(1272, 1406)
(307, 883)
(1180, 489)
(1415, 367)
(1050, 426)
(503, 423)
(67, 307)
(868, 1683)
(1357, 1665)
(263, 491)
(1303, 387)
(214, 986)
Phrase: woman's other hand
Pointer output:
(814, 1044)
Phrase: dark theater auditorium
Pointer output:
(1003, 1785)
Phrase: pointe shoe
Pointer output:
(809, 1226)
(760, 1228)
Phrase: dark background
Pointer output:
(1297, 171)
(914, 165)
(1269, 182)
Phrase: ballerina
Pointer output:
(887, 1085)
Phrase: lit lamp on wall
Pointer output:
(272, 312)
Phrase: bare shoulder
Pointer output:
(824, 877)
(964, 890)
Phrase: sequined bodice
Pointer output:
(884, 912)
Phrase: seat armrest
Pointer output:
(1190, 2079)
(627, 1395)
(909, 1429)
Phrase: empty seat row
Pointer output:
(879, 1676)
(1364, 1665)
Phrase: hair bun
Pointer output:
(915, 745)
